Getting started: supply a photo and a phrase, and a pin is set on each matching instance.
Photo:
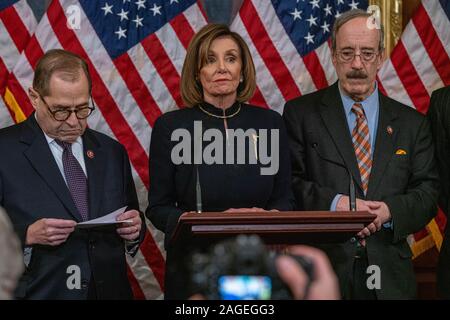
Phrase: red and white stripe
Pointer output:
(17, 24)
(420, 62)
(282, 74)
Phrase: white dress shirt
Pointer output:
(57, 151)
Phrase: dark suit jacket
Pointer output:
(407, 183)
(439, 115)
(32, 187)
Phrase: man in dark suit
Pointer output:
(439, 116)
(54, 173)
(351, 129)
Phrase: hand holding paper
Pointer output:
(130, 230)
(111, 218)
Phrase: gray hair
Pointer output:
(350, 15)
(11, 257)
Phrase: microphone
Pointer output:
(198, 192)
(352, 191)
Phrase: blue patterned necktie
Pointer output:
(76, 180)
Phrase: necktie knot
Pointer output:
(358, 110)
(65, 145)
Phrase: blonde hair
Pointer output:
(196, 57)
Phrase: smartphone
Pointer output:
(245, 287)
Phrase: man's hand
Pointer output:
(381, 210)
(49, 231)
(130, 230)
(324, 285)
(343, 204)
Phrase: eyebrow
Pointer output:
(234, 51)
(61, 106)
(368, 48)
(362, 48)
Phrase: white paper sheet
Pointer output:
(105, 220)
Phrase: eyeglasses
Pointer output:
(64, 114)
(346, 56)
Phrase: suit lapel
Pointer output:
(384, 144)
(333, 115)
(41, 159)
(94, 159)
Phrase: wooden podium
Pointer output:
(285, 227)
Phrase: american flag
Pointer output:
(136, 48)
(17, 24)
(289, 41)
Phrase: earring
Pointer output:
(241, 79)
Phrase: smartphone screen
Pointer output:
(245, 287)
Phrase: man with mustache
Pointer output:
(54, 173)
(350, 130)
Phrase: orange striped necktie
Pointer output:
(361, 144)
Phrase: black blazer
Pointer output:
(439, 115)
(223, 186)
(32, 187)
(407, 183)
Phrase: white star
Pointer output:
(296, 14)
(121, 33)
(172, 1)
(325, 27)
(328, 10)
(138, 21)
(353, 5)
(338, 14)
(340, 1)
(156, 9)
(312, 21)
(140, 4)
(309, 38)
(126, 1)
(315, 3)
(123, 15)
(107, 8)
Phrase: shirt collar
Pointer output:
(51, 140)
(370, 104)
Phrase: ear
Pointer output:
(34, 97)
(333, 58)
(381, 59)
